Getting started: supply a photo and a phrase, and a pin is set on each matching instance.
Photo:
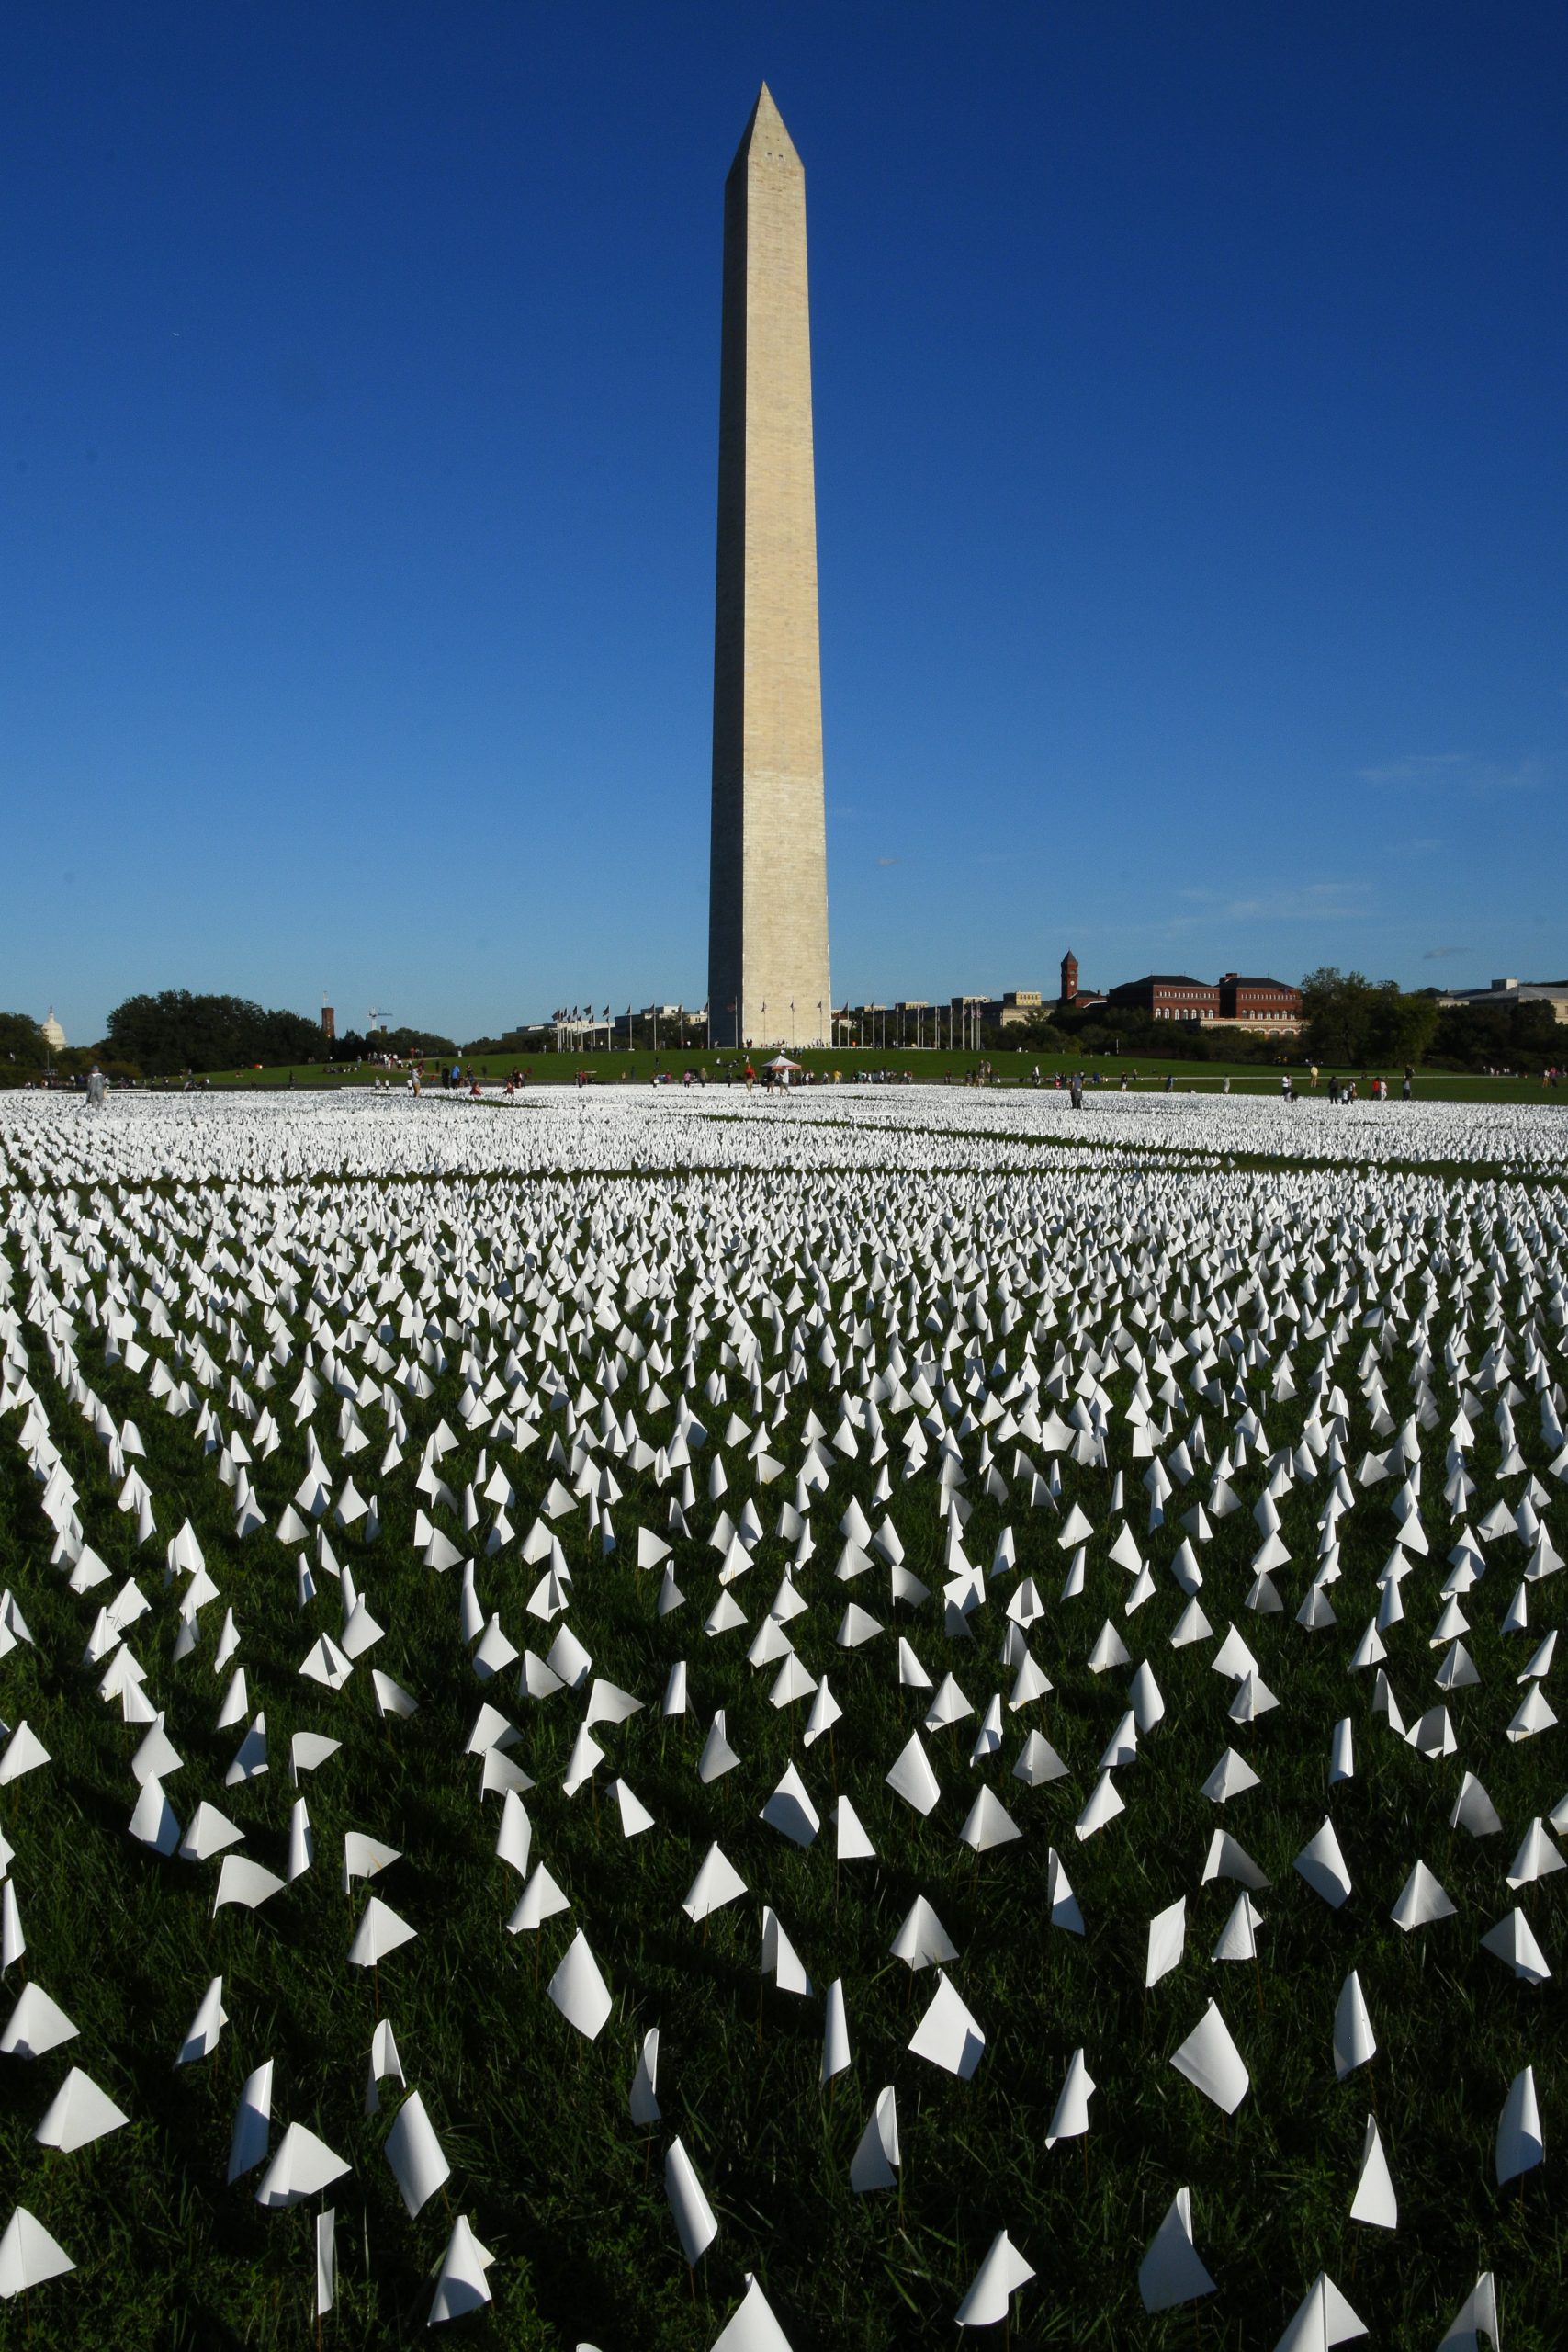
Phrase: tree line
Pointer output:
(165, 1035)
(1352, 1024)
(1357, 1024)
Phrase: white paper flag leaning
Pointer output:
(1476, 2318)
(29, 2255)
(989, 1824)
(1512, 1940)
(25, 1751)
(1172, 2272)
(326, 2260)
(694, 2223)
(1520, 2146)
(998, 2279)
(947, 2036)
(78, 2114)
(875, 2164)
(414, 2154)
(385, 2065)
(1168, 1942)
(1374, 2201)
(1070, 2119)
(462, 2286)
(1421, 1900)
(381, 1931)
(1212, 2063)
(791, 1811)
(205, 2026)
(1354, 2040)
(851, 1842)
(922, 1942)
(541, 1899)
(578, 1991)
(780, 1959)
(643, 2098)
(1323, 2320)
(246, 1882)
(717, 1881)
(753, 2327)
(36, 2025)
(302, 2167)
(253, 2123)
(912, 1778)
(836, 2054)
(1322, 1864)
(1239, 1936)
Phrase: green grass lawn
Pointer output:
(925, 1067)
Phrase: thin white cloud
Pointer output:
(1416, 767)
(1463, 770)
(1340, 901)
(1522, 776)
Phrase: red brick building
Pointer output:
(1234, 1002)
(1258, 1002)
(1073, 998)
(1168, 995)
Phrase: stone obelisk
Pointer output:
(768, 899)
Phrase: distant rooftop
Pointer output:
(1510, 987)
(1168, 980)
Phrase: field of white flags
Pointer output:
(674, 1720)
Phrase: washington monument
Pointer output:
(767, 894)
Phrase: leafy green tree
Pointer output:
(355, 1044)
(1525, 1035)
(1338, 1007)
(406, 1042)
(1108, 1030)
(175, 1031)
(1358, 1023)
(1399, 1027)
(22, 1048)
(21, 1039)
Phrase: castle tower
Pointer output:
(1069, 978)
(768, 893)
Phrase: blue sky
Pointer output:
(1192, 494)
